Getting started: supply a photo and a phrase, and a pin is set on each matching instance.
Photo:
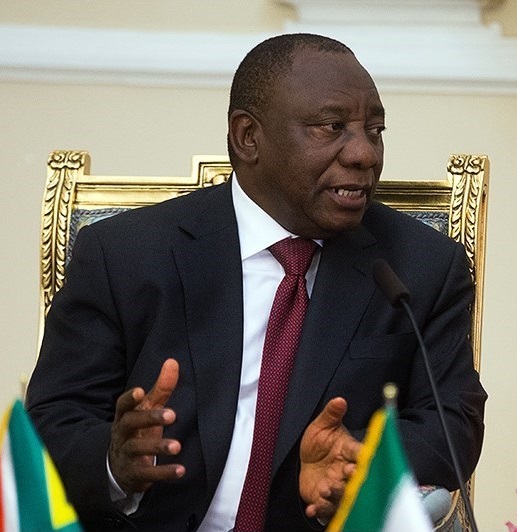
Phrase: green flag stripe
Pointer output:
(26, 450)
(387, 469)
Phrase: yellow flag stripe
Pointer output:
(61, 511)
(3, 425)
(371, 442)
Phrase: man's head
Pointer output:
(305, 122)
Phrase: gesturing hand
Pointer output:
(328, 454)
(137, 434)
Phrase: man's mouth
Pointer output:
(350, 199)
(347, 193)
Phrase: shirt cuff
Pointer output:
(127, 504)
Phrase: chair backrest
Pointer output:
(456, 205)
(73, 198)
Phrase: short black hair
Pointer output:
(255, 80)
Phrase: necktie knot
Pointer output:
(294, 254)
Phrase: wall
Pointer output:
(137, 130)
(180, 15)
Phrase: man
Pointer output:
(184, 289)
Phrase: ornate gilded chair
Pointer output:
(74, 198)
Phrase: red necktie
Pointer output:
(280, 346)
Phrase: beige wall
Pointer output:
(155, 131)
(178, 15)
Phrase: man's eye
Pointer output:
(377, 131)
(334, 126)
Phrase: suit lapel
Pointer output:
(342, 291)
(207, 256)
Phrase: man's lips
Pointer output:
(350, 193)
(349, 197)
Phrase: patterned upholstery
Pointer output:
(437, 220)
(455, 206)
(82, 217)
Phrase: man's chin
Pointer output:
(345, 225)
(325, 227)
(331, 231)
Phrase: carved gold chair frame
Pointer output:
(456, 205)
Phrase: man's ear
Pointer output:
(242, 132)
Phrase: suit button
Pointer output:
(192, 522)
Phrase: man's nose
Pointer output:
(359, 150)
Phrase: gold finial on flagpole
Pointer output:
(390, 392)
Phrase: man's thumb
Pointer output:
(333, 412)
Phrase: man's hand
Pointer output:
(137, 434)
(328, 454)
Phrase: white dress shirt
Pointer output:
(262, 274)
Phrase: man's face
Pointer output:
(319, 146)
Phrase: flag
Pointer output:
(381, 496)
(32, 497)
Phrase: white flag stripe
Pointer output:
(406, 512)
(9, 493)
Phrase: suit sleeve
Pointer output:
(78, 377)
(446, 332)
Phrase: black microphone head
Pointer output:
(389, 283)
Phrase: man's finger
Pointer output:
(140, 478)
(143, 419)
(164, 385)
(156, 473)
(327, 502)
(128, 401)
(138, 447)
(323, 510)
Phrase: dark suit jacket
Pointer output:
(166, 281)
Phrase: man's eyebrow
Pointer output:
(336, 109)
(377, 110)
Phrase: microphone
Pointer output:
(398, 296)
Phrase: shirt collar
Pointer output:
(257, 230)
